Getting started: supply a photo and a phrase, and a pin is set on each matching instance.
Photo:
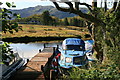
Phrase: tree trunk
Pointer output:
(94, 29)
(97, 46)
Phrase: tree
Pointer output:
(7, 26)
(6, 53)
(66, 23)
(75, 22)
(97, 22)
(46, 18)
(7, 15)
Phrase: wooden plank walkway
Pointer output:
(32, 70)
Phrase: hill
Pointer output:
(40, 9)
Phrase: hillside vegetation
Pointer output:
(46, 19)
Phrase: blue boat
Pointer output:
(73, 53)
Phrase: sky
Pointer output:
(20, 4)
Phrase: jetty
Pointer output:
(32, 70)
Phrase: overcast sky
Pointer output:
(20, 4)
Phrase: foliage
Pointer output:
(8, 26)
(111, 73)
(112, 40)
(113, 55)
(6, 52)
(7, 15)
(46, 19)
(110, 69)
(66, 22)
(104, 27)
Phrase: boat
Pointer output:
(11, 64)
(74, 53)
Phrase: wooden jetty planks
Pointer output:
(32, 70)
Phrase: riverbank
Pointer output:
(27, 39)
(36, 33)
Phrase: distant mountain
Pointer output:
(40, 9)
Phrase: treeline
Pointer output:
(46, 19)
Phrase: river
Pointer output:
(29, 50)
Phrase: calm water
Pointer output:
(31, 49)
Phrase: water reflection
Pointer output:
(31, 49)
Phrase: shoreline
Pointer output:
(27, 39)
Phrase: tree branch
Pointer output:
(70, 5)
(90, 18)
(61, 9)
(94, 4)
(87, 5)
(118, 7)
(105, 5)
(86, 17)
(77, 5)
(114, 6)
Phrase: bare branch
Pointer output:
(87, 5)
(94, 4)
(85, 16)
(101, 3)
(105, 5)
(90, 18)
(114, 6)
(77, 5)
(118, 7)
(61, 9)
(70, 5)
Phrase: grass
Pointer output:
(41, 31)
(46, 31)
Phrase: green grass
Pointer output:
(47, 31)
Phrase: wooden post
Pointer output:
(57, 46)
(42, 68)
(44, 45)
(49, 60)
(49, 63)
(53, 51)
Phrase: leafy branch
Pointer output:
(7, 15)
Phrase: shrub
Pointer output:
(111, 73)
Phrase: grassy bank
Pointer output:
(32, 33)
